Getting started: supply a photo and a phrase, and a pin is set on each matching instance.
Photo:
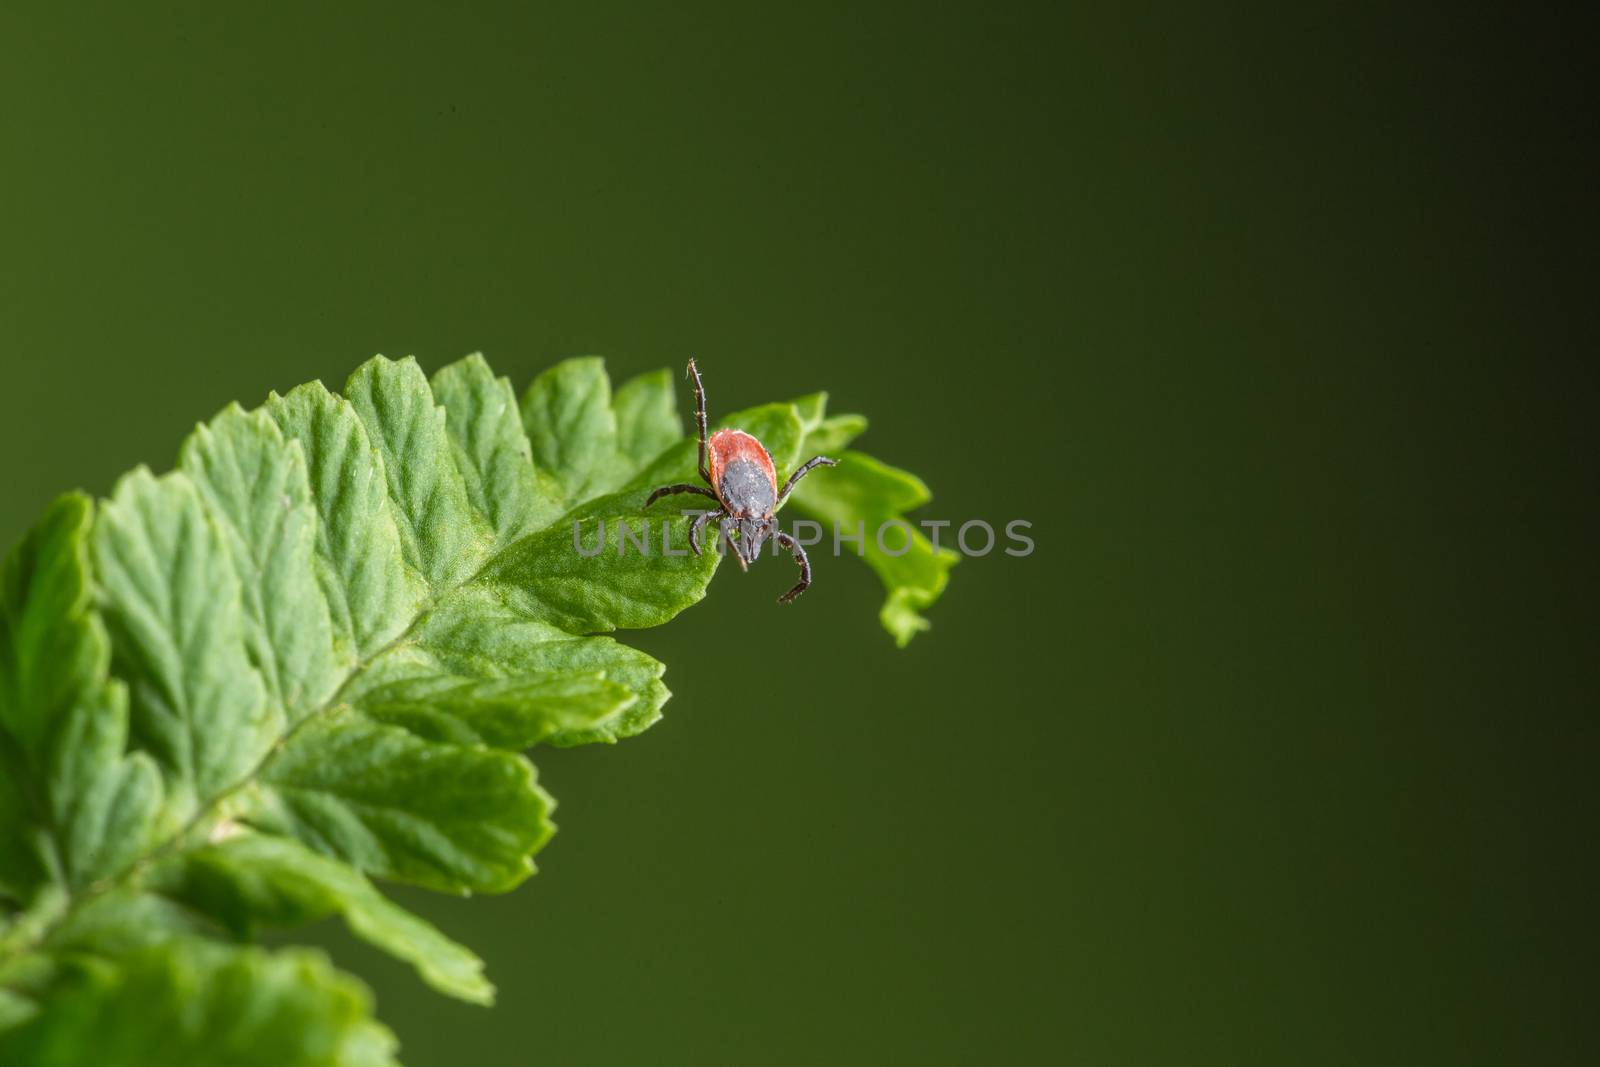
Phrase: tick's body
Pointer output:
(744, 483)
(742, 472)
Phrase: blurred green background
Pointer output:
(1276, 322)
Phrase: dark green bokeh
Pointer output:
(1271, 324)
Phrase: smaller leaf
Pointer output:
(861, 494)
(394, 805)
(582, 576)
(257, 880)
(105, 801)
(476, 634)
(254, 483)
(509, 713)
(172, 600)
(125, 920)
(647, 417)
(73, 804)
(570, 423)
(826, 436)
(47, 657)
(442, 535)
(371, 592)
(492, 451)
(190, 1002)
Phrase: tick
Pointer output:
(744, 483)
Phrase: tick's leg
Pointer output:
(799, 557)
(669, 490)
(801, 472)
(723, 528)
(700, 418)
(697, 525)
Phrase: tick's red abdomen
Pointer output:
(726, 446)
(742, 472)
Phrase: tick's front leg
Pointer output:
(698, 524)
(700, 418)
(800, 472)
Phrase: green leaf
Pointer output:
(124, 920)
(254, 484)
(372, 595)
(48, 651)
(73, 805)
(510, 713)
(175, 609)
(647, 417)
(311, 657)
(492, 452)
(863, 493)
(573, 430)
(255, 880)
(441, 535)
(191, 1002)
(826, 435)
(395, 805)
(476, 635)
(860, 495)
(548, 578)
